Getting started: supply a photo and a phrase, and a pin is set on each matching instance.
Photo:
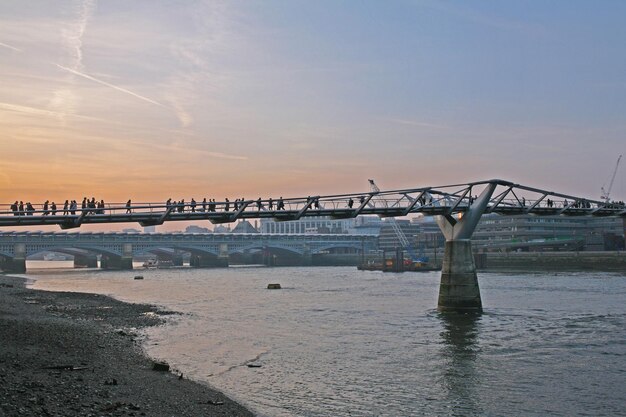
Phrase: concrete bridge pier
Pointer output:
(268, 258)
(123, 261)
(177, 259)
(458, 287)
(208, 261)
(15, 265)
(85, 261)
(116, 262)
(307, 257)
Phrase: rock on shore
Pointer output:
(74, 354)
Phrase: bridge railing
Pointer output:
(299, 204)
(430, 200)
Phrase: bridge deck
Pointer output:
(448, 200)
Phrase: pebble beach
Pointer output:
(75, 354)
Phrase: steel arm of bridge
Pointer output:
(160, 220)
(463, 228)
(76, 223)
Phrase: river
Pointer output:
(335, 341)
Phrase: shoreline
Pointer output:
(78, 354)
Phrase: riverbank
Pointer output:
(75, 354)
(613, 261)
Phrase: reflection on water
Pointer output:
(459, 351)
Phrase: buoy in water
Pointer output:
(273, 286)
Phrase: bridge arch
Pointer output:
(330, 247)
(240, 249)
(195, 250)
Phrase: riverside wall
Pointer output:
(557, 261)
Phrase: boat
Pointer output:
(150, 263)
(53, 257)
(157, 263)
(389, 265)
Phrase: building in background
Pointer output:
(549, 233)
(388, 239)
(196, 229)
(244, 226)
(313, 224)
(496, 233)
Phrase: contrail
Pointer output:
(10, 47)
(415, 123)
(123, 90)
(226, 156)
(74, 35)
(41, 112)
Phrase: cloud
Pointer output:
(210, 35)
(416, 123)
(40, 112)
(65, 100)
(474, 16)
(221, 155)
(73, 36)
(183, 116)
(193, 152)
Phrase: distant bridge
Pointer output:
(207, 249)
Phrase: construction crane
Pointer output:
(606, 193)
(404, 242)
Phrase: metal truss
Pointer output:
(448, 200)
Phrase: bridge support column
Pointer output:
(458, 288)
(307, 257)
(116, 262)
(123, 261)
(269, 259)
(85, 261)
(16, 264)
(208, 261)
(13, 265)
(177, 259)
(222, 258)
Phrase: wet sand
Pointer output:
(74, 354)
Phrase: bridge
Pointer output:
(117, 250)
(457, 209)
(447, 201)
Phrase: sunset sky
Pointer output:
(156, 99)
